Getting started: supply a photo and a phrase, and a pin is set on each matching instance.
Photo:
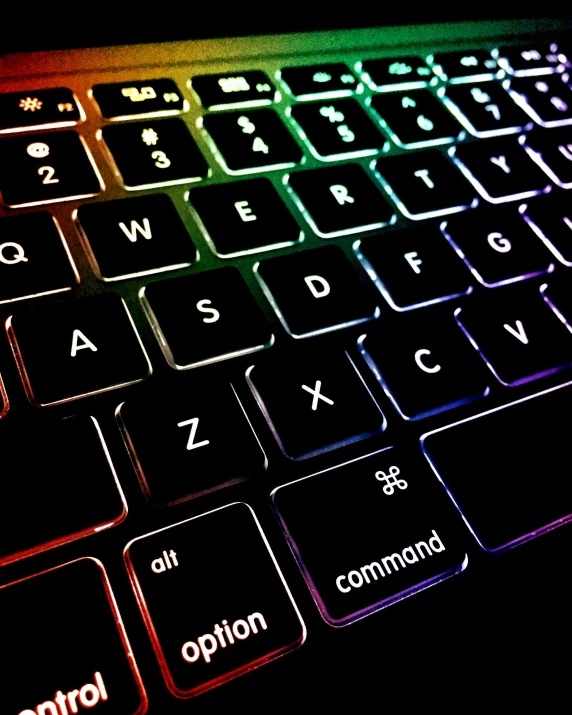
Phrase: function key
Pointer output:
(548, 100)
(552, 151)
(530, 60)
(43, 108)
(396, 73)
(46, 168)
(152, 97)
(464, 66)
(309, 82)
(240, 89)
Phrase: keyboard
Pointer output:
(285, 373)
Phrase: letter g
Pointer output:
(339, 584)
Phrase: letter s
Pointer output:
(338, 584)
(201, 306)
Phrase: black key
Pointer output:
(486, 109)
(548, 100)
(386, 532)
(42, 108)
(498, 246)
(396, 72)
(517, 334)
(558, 295)
(88, 664)
(425, 184)
(251, 141)
(416, 119)
(34, 259)
(464, 66)
(155, 153)
(338, 128)
(243, 217)
(500, 170)
(429, 367)
(551, 219)
(131, 237)
(206, 317)
(552, 151)
(314, 402)
(60, 487)
(306, 82)
(339, 200)
(414, 267)
(491, 465)
(189, 440)
(247, 89)
(75, 349)
(46, 168)
(152, 97)
(530, 59)
(242, 614)
(316, 291)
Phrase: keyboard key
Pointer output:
(414, 267)
(43, 108)
(316, 291)
(338, 200)
(307, 82)
(150, 97)
(34, 259)
(425, 184)
(155, 153)
(498, 246)
(416, 119)
(338, 128)
(189, 439)
(551, 219)
(530, 60)
(242, 613)
(548, 100)
(517, 334)
(253, 141)
(75, 349)
(243, 217)
(464, 66)
(314, 402)
(205, 317)
(552, 151)
(46, 168)
(133, 237)
(386, 531)
(556, 292)
(390, 73)
(87, 662)
(491, 465)
(500, 170)
(425, 364)
(246, 89)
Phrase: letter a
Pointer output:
(85, 343)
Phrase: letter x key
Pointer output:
(317, 394)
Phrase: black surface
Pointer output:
(124, 99)
(318, 79)
(465, 64)
(487, 107)
(530, 58)
(221, 90)
(20, 110)
(391, 71)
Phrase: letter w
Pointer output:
(132, 233)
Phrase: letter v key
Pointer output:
(518, 333)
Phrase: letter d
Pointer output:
(321, 290)
(435, 543)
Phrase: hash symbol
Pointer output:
(30, 104)
(391, 481)
(149, 137)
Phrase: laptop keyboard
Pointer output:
(266, 323)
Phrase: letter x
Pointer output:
(317, 395)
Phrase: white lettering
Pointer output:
(76, 345)
(208, 644)
(244, 211)
(317, 395)
(194, 422)
(341, 194)
(202, 309)
(88, 697)
(185, 651)
(323, 288)
(517, 332)
(500, 161)
(421, 364)
(423, 174)
(240, 629)
(413, 261)
(436, 540)
(135, 228)
(499, 242)
(339, 584)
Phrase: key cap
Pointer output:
(205, 317)
(243, 217)
(71, 350)
(530, 60)
(552, 151)
(246, 89)
(46, 168)
(517, 334)
(307, 82)
(34, 259)
(316, 291)
(500, 170)
(251, 141)
(155, 153)
(464, 66)
(43, 108)
(338, 200)
(389, 73)
(314, 403)
(550, 218)
(548, 100)
(498, 246)
(491, 465)
(137, 236)
(242, 614)
(45, 503)
(486, 109)
(425, 184)
(425, 364)
(338, 128)
(86, 661)
(189, 439)
(150, 97)
(556, 292)
(416, 119)
(386, 532)
(414, 267)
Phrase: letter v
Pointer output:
(518, 333)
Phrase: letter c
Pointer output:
(422, 365)
(185, 652)
(499, 242)
(339, 584)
